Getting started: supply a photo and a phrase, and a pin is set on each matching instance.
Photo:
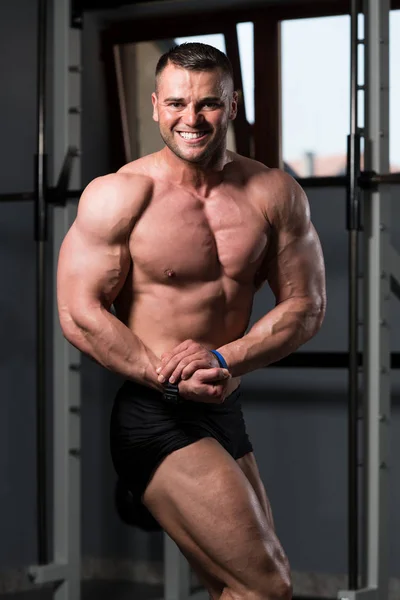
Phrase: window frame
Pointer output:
(250, 140)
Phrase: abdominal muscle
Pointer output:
(210, 313)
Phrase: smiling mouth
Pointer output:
(193, 136)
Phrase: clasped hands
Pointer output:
(196, 371)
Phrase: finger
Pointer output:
(172, 366)
(203, 359)
(213, 393)
(195, 365)
(189, 365)
(214, 374)
(165, 358)
(184, 347)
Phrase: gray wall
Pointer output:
(17, 434)
(296, 418)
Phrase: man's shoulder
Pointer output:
(115, 200)
(258, 175)
(125, 182)
(120, 190)
(256, 172)
(279, 194)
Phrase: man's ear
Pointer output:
(155, 106)
(234, 106)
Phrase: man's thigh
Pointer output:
(249, 467)
(202, 498)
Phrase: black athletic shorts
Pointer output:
(145, 429)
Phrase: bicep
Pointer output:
(91, 270)
(296, 266)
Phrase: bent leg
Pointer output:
(249, 467)
(204, 501)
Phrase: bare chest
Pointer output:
(185, 238)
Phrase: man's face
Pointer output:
(193, 110)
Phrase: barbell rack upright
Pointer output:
(65, 569)
(353, 227)
(381, 263)
(40, 236)
(377, 293)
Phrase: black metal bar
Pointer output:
(353, 223)
(395, 287)
(370, 179)
(353, 492)
(40, 237)
(326, 360)
(366, 180)
(18, 197)
(60, 193)
(74, 194)
(308, 182)
(316, 360)
(386, 178)
(353, 192)
(53, 196)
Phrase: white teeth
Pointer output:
(191, 136)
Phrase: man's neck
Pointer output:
(201, 178)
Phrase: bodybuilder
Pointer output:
(178, 242)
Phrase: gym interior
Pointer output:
(319, 88)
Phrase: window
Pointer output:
(394, 82)
(315, 95)
(245, 33)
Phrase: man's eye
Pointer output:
(176, 104)
(210, 105)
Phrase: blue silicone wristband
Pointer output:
(220, 359)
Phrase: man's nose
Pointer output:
(192, 117)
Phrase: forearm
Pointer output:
(107, 340)
(279, 333)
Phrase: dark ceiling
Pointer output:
(83, 5)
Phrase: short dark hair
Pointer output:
(195, 56)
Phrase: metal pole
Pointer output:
(40, 237)
(377, 265)
(353, 227)
(64, 572)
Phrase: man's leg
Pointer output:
(204, 501)
(249, 467)
(214, 586)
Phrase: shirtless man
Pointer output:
(179, 242)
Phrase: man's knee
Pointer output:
(275, 583)
(279, 588)
(270, 581)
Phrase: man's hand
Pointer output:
(206, 385)
(184, 361)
